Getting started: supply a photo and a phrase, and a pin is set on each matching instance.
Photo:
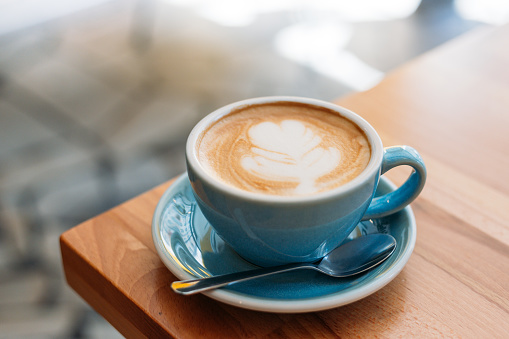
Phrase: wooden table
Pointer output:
(451, 104)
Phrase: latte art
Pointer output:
(289, 152)
(284, 149)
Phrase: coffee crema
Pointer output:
(284, 148)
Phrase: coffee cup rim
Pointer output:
(371, 169)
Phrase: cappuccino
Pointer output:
(283, 148)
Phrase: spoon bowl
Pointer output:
(351, 258)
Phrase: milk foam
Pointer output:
(289, 152)
(283, 148)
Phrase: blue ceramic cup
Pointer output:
(270, 230)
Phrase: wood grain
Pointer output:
(451, 104)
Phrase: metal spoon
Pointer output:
(351, 258)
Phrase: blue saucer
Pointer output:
(190, 248)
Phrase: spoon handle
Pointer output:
(193, 286)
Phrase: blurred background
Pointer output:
(97, 98)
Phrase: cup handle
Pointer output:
(397, 200)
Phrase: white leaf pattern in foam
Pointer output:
(289, 152)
